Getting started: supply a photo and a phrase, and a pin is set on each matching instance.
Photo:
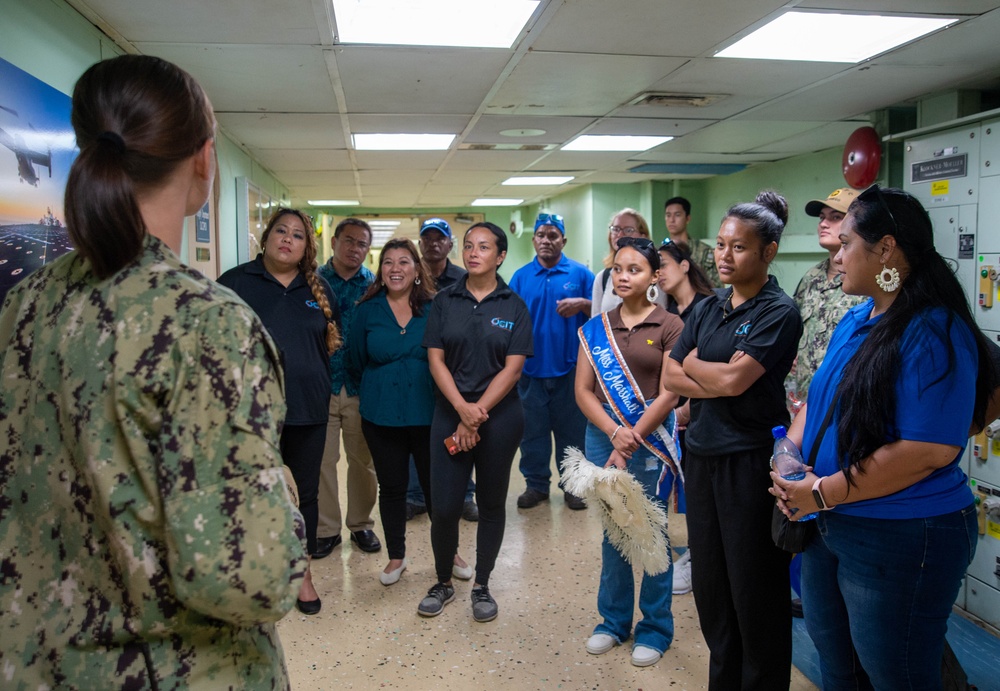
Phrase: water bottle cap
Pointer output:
(779, 432)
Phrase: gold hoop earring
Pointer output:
(888, 279)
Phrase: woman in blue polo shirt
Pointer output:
(889, 410)
(300, 312)
(478, 336)
(731, 361)
(386, 354)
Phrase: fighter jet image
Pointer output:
(26, 158)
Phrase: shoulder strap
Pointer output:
(822, 432)
(604, 280)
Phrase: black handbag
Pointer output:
(795, 536)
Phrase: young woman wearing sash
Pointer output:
(731, 361)
(621, 395)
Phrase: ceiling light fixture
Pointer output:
(497, 202)
(332, 202)
(614, 142)
(792, 36)
(402, 142)
(461, 23)
(538, 180)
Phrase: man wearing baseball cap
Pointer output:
(557, 291)
(819, 297)
(436, 241)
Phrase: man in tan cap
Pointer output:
(821, 301)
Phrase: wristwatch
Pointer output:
(818, 496)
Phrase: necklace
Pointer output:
(729, 301)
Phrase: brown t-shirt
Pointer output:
(643, 347)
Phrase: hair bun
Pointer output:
(775, 203)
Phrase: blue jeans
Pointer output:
(616, 594)
(550, 410)
(877, 594)
(415, 495)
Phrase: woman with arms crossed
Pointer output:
(731, 361)
(889, 410)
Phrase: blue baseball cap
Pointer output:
(551, 220)
(438, 224)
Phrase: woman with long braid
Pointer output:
(298, 309)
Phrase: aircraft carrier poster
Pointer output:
(37, 147)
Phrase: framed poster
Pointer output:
(37, 148)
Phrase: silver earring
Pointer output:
(888, 279)
(652, 292)
(417, 281)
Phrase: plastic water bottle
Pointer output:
(787, 461)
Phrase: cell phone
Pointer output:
(451, 444)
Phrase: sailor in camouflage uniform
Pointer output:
(819, 297)
(146, 532)
(677, 215)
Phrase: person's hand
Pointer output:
(682, 415)
(616, 460)
(472, 414)
(626, 441)
(570, 307)
(794, 497)
(736, 356)
(466, 437)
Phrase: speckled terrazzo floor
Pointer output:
(369, 636)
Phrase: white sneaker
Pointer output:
(682, 574)
(600, 643)
(644, 657)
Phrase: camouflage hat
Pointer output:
(838, 200)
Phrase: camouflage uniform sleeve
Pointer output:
(234, 540)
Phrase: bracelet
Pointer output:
(612, 437)
(818, 495)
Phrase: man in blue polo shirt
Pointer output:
(557, 291)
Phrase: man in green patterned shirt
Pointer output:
(677, 215)
(819, 297)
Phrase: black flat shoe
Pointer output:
(310, 607)
(366, 540)
(325, 546)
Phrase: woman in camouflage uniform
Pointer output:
(147, 535)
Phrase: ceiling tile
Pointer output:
(285, 130)
(281, 160)
(557, 129)
(410, 160)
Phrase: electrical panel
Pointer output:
(955, 173)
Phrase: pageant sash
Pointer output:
(621, 390)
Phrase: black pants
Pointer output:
(391, 448)
(302, 451)
(492, 458)
(740, 578)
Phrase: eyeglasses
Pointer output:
(549, 220)
(623, 230)
(351, 242)
(637, 243)
(874, 192)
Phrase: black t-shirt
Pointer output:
(449, 276)
(767, 328)
(298, 327)
(476, 336)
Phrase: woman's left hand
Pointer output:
(466, 437)
(616, 460)
(795, 497)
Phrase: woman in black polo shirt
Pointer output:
(478, 336)
(300, 313)
(731, 360)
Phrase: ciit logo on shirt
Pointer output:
(743, 329)
(500, 323)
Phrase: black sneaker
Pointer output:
(414, 510)
(574, 502)
(531, 498)
(437, 597)
(470, 511)
(484, 607)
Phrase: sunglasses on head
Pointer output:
(874, 193)
(637, 243)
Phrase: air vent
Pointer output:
(507, 147)
(663, 99)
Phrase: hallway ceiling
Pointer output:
(291, 96)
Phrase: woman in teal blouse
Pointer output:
(396, 390)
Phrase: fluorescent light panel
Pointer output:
(462, 23)
(831, 37)
(614, 142)
(332, 202)
(402, 142)
(538, 180)
(496, 202)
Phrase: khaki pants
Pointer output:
(362, 485)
